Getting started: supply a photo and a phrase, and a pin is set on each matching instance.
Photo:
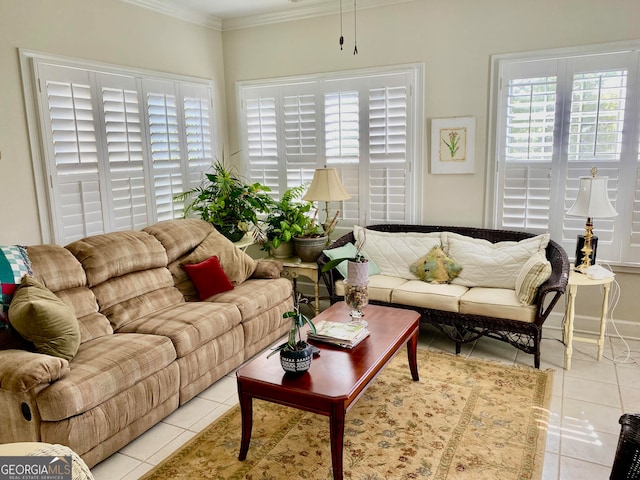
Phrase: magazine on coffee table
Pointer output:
(343, 334)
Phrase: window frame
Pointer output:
(36, 135)
(495, 127)
(415, 127)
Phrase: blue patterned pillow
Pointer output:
(14, 264)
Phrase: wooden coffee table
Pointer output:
(336, 378)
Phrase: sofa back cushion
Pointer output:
(394, 252)
(118, 253)
(57, 269)
(127, 272)
(487, 264)
(179, 236)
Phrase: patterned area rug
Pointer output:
(464, 419)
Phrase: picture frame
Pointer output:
(453, 145)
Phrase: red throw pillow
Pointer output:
(208, 277)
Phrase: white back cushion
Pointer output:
(394, 252)
(486, 264)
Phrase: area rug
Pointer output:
(464, 419)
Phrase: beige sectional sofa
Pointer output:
(494, 294)
(147, 345)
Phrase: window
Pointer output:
(118, 145)
(557, 115)
(367, 125)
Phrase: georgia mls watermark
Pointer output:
(35, 468)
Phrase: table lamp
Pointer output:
(592, 202)
(326, 187)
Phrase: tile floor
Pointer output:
(583, 429)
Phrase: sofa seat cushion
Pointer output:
(103, 368)
(380, 287)
(417, 293)
(188, 325)
(496, 302)
(255, 296)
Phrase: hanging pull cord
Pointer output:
(341, 36)
(355, 29)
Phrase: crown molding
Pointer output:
(172, 8)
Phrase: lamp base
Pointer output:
(579, 253)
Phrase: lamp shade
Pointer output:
(593, 200)
(326, 187)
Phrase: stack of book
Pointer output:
(343, 334)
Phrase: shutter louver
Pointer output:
(198, 127)
(300, 138)
(525, 199)
(388, 125)
(123, 134)
(165, 154)
(530, 119)
(342, 130)
(78, 201)
(262, 142)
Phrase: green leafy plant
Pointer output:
(287, 218)
(224, 198)
(358, 257)
(298, 320)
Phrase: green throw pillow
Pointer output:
(348, 250)
(43, 319)
(435, 267)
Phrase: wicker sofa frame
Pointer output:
(463, 328)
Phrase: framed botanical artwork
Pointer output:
(453, 145)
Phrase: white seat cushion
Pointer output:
(496, 302)
(380, 287)
(417, 293)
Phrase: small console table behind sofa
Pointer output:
(465, 327)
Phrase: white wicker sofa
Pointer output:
(482, 300)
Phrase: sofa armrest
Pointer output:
(21, 371)
(550, 292)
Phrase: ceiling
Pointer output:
(233, 14)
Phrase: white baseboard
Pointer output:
(591, 326)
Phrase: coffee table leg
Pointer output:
(246, 410)
(412, 350)
(336, 432)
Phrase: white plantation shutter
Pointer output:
(166, 150)
(123, 134)
(119, 146)
(262, 142)
(556, 119)
(75, 184)
(300, 137)
(388, 182)
(362, 125)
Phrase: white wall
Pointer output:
(454, 39)
(106, 31)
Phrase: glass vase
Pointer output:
(356, 297)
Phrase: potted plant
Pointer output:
(295, 353)
(287, 218)
(311, 241)
(225, 200)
